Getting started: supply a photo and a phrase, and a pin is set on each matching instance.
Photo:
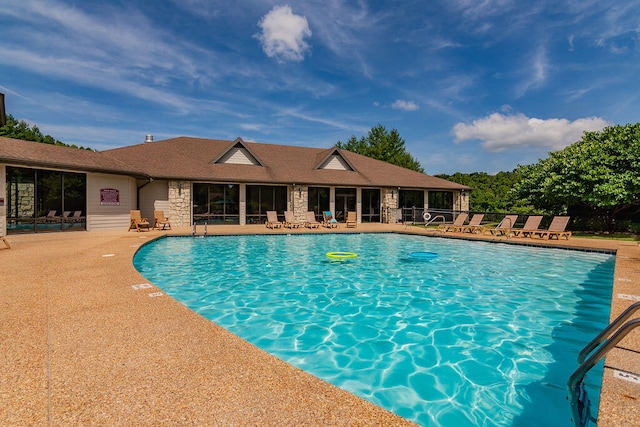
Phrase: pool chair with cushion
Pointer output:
(138, 222)
(556, 228)
(272, 220)
(352, 219)
(530, 226)
(311, 221)
(455, 226)
(328, 220)
(504, 228)
(159, 220)
(4, 240)
(290, 220)
(473, 226)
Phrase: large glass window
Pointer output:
(44, 200)
(410, 199)
(216, 203)
(370, 205)
(345, 202)
(318, 201)
(441, 200)
(263, 198)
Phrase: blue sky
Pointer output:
(470, 85)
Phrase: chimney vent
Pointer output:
(149, 138)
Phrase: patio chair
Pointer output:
(328, 220)
(138, 222)
(352, 219)
(160, 220)
(556, 228)
(272, 220)
(50, 217)
(459, 222)
(6, 243)
(530, 226)
(473, 226)
(290, 221)
(504, 228)
(311, 221)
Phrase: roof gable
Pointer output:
(237, 154)
(335, 161)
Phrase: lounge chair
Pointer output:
(290, 221)
(352, 219)
(138, 222)
(328, 220)
(473, 226)
(50, 217)
(3, 239)
(272, 220)
(556, 228)
(530, 226)
(503, 228)
(311, 221)
(459, 222)
(160, 220)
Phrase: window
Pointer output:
(370, 205)
(44, 200)
(263, 198)
(318, 201)
(441, 200)
(216, 203)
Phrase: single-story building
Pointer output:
(193, 180)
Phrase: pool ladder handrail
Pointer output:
(602, 346)
(444, 221)
(510, 227)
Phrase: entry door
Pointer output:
(345, 202)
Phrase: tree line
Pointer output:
(20, 129)
(595, 180)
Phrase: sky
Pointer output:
(470, 85)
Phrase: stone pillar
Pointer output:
(299, 201)
(180, 203)
(390, 198)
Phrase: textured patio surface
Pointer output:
(81, 344)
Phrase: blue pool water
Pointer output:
(482, 334)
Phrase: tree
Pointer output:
(491, 193)
(601, 172)
(383, 145)
(21, 130)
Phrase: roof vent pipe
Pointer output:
(149, 138)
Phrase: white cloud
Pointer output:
(405, 105)
(283, 34)
(500, 132)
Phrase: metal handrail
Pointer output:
(606, 331)
(432, 220)
(510, 227)
(577, 377)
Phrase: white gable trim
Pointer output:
(238, 155)
(335, 162)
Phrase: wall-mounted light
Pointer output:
(299, 191)
(393, 193)
(180, 187)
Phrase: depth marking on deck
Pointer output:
(623, 279)
(141, 286)
(627, 376)
(629, 297)
(156, 294)
(108, 255)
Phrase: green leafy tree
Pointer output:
(21, 130)
(383, 145)
(601, 172)
(491, 193)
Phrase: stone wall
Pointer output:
(180, 203)
(300, 202)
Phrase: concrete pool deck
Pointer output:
(81, 343)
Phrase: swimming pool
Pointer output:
(481, 334)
